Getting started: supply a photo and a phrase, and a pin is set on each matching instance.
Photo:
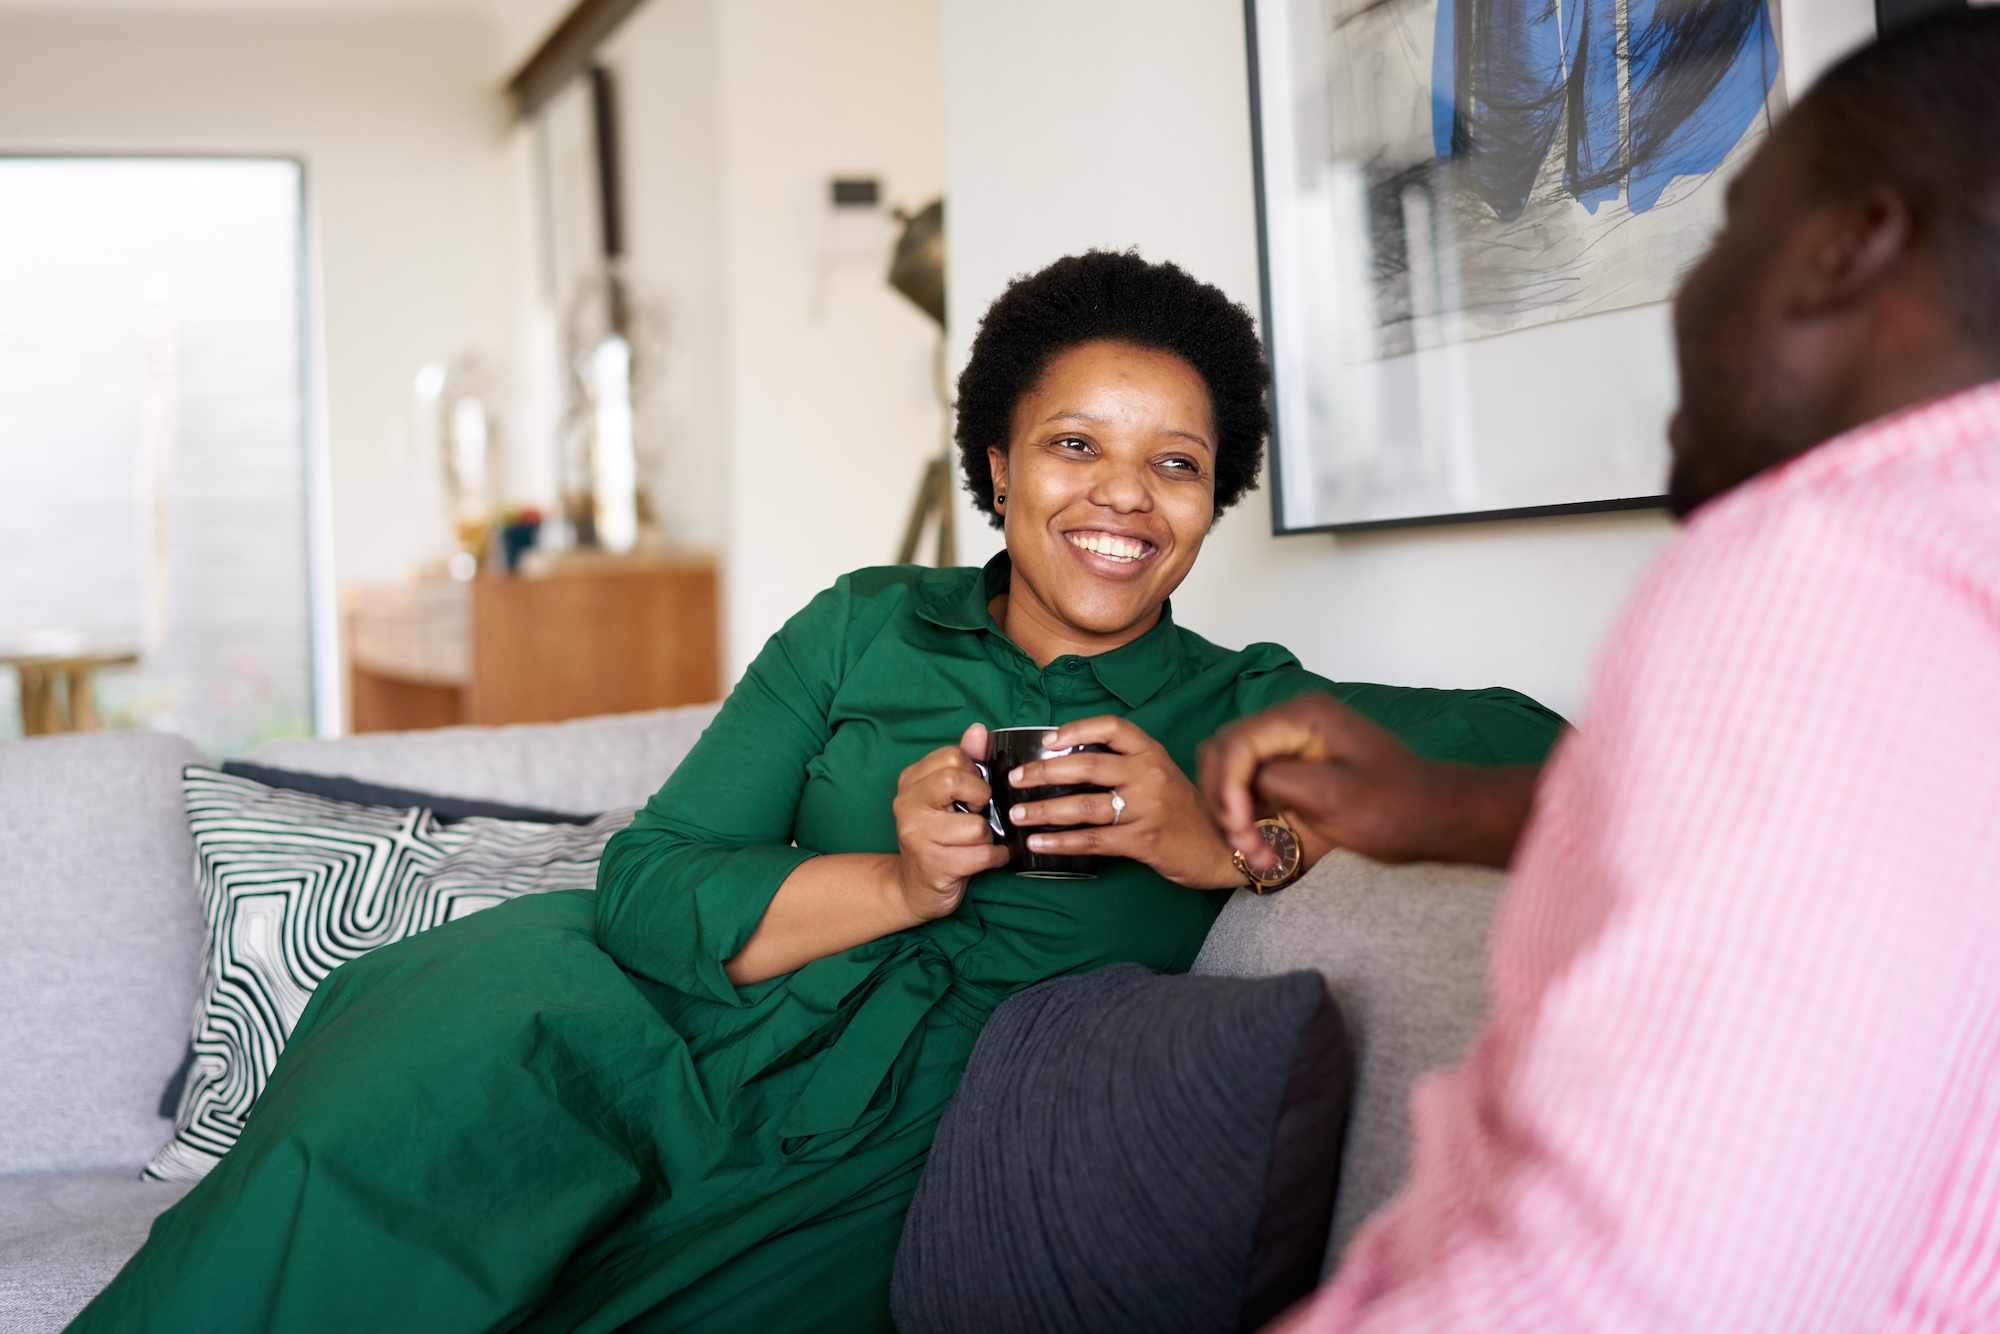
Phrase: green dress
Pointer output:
(558, 1114)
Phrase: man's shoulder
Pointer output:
(1848, 560)
(1927, 477)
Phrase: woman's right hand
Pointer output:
(940, 847)
(836, 901)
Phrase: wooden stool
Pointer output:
(46, 711)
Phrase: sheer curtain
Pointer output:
(152, 447)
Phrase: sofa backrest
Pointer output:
(100, 928)
(100, 946)
(1403, 951)
(584, 767)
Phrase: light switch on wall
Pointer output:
(851, 223)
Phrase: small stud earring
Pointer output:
(999, 500)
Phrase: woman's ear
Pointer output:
(996, 459)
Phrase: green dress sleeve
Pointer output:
(681, 889)
(1489, 726)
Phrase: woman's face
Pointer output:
(1110, 484)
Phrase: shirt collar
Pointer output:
(1134, 672)
(964, 608)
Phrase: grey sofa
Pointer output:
(100, 942)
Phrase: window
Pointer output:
(152, 438)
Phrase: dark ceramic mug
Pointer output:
(1008, 748)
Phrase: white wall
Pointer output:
(1077, 123)
(1815, 33)
(664, 59)
(399, 122)
(797, 405)
(830, 410)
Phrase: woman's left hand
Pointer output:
(1164, 824)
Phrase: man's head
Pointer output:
(1858, 271)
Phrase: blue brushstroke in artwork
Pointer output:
(1592, 167)
(1444, 76)
(1700, 74)
(1509, 76)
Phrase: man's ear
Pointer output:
(1848, 249)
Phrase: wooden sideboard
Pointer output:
(590, 637)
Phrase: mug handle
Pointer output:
(992, 811)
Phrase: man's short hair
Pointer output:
(1918, 114)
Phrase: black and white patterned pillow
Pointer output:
(292, 886)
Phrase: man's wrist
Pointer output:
(1474, 812)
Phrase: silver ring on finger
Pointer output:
(1117, 806)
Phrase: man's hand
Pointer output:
(1351, 784)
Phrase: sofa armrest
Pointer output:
(1403, 951)
(100, 958)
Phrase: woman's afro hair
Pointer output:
(1106, 294)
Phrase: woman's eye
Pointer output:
(1075, 444)
(1188, 466)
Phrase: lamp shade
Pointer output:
(917, 267)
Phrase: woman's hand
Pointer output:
(1344, 782)
(939, 846)
(839, 900)
(1165, 824)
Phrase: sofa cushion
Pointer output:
(101, 951)
(581, 768)
(1133, 1152)
(63, 1235)
(1403, 950)
(293, 885)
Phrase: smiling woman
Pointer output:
(1107, 485)
(701, 1097)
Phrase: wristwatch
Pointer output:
(1291, 859)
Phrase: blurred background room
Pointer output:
(375, 364)
(391, 364)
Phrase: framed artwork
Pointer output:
(1473, 214)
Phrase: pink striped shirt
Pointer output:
(1743, 1065)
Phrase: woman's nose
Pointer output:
(1121, 487)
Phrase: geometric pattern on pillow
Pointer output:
(292, 886)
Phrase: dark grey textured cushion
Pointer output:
(1132, 1152)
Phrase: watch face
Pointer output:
(1283, 842)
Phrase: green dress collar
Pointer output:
(1134, 672)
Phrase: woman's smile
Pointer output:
(1114, 548)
